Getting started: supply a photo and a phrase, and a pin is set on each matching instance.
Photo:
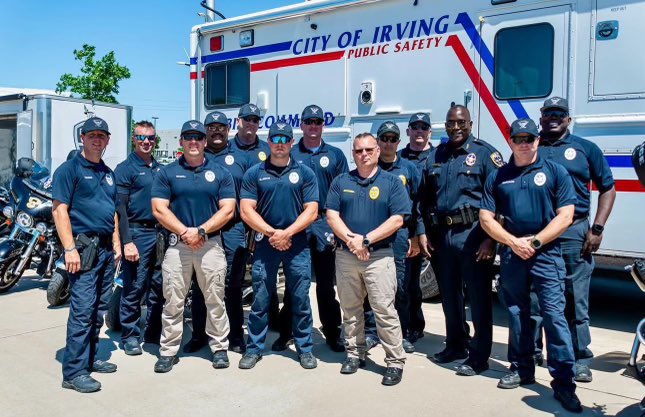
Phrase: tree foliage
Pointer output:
(100, 78)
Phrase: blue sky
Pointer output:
(37, 39)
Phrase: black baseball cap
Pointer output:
(556, 103)
(95, 123)
(193, 126)
(216, 117)
(281, 128)
(249, 110)
(388, 127)
(312, 112)
(524, 126)
(420, 117)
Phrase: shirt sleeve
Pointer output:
(250, 185)
(310, 186)
(488, 197)
(565, 193)
(599, 169)
(63, 184)
(333, 196)
(399, 202)
(161, 186)
(122, 179)
(417, 226)
(492, 163)
(226, 185)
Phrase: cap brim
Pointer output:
(95, 130)
(555, 107)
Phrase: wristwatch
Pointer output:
(366, 242)
(535, 243)
(597, 229)
(202, 234)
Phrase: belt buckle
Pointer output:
(449, 220)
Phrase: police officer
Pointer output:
(84, 211)
(585, 163)
(536, 198)
(419, 132)
(327, 162)
(406, 244)
(246, 141)
(454, 180)
(365, 208)
(279, 201)
(219, 150)
(193, 198)
(137, 227)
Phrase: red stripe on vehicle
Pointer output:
(626, 186)
(193, 75)
(301, 60)
(489, 101)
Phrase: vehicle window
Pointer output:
(524, 62)
(227, 84)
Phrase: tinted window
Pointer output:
(227, 84)
(524, 62)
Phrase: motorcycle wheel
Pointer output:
(112, 320)
(58, 289)
(428, 281)
(7, 279)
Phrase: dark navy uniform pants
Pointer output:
(296, 263)
(545, 271)
(142, 279)
(90, 292)
(234, 243)
(417, 321)
(579, 268)
(456, 265)
(323, 259)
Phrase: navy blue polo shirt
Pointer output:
(327, 162)
(528, 197)
(252, 154)
(134, 178)
(585, 163)
(89, 190)
(235, 164)
(454, 177)
(418, 158)
(280, 193)
(366, 203)
(409, 176)
(194, 192)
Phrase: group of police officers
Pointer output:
(367, 231)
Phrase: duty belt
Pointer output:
(372, 248)
(143, 225)
(466, 215)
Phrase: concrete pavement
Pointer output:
(32, 337)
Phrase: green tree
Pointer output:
(99, 80)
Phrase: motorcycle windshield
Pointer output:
(40, 180)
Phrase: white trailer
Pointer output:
(46, 127)
(367, 61)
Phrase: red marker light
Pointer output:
(217, 43)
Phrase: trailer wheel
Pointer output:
(58, 290)
(428, 281)
(112, 320)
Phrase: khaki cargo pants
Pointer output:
(375, 278)
(209, 265)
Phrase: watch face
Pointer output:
(536, 243)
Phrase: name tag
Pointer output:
(180, 176)
(88, 177)
(508, 182)
(264, 178)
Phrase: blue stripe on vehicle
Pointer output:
(619, 161)
(243, 53)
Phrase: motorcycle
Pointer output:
(33, 241)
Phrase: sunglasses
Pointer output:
(216, 128)
(420, 126)
(317, 122)
(193, 137)
(519, 140)
(251, 119)
(277, 139)
(141, 138)
(558, 114)
(368, 151)
(389, 139)
(456, 123)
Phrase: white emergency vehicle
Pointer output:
(367, 61)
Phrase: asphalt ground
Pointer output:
(32, 338)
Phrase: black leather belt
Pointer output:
(372, 248)
(143, 225)
(104, 240)
(465, 215)
(577, 220)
